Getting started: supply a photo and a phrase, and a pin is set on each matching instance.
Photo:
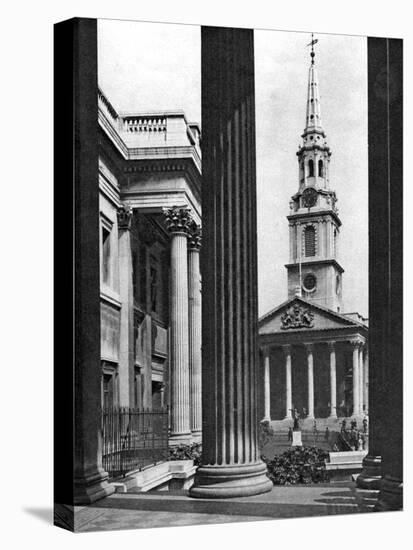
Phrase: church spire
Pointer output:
(313, 117)
(314, 222)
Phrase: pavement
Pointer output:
(167, 509)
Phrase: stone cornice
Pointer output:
(308, 216)
(330, 261)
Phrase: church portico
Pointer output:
(320, 373)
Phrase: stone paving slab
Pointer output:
(149, 510)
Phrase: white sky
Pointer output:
(151, 66)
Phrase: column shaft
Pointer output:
(356, 380)
(90, 480)
(361, 382)
(333, 381)
(267, 406)
(310, 371)
(231, 464)
(288, 383)
(178, 221)
(195, 322)
(126, 345)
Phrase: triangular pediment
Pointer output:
(297, 315)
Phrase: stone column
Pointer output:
(89, 481)
(195, 324)
(310, 371)
(178, 221)
(231, 464)
(366, 379)
(267, 405)
(288, 382)
(356, 377)
(126, 343)
(320, 244)
(361, 375)
(328, 238)
(333, 380)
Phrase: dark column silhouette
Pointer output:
(385, 456)
(231, 464)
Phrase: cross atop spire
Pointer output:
(313, 41)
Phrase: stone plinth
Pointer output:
(297, 439)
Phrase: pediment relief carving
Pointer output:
(297, 316)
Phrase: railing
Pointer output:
(133, 439)
(144, 124)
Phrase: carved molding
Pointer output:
(178, 219)
(297, 316)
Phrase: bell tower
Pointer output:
(313, 270)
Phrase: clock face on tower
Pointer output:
(309, 197)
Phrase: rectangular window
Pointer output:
(106, 259)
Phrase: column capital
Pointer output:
(309, 346)
(356, 343)
(195, 236)
(178, 219)
(331, 345)
(286, 349)
(125, 215)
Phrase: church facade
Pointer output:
(314, 356)
(150, 282)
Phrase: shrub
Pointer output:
(186, 452)
(298, 465)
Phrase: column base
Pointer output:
(266, 419)
(391, 495)
(180, 439)
(196, 436)
(370, 477)
(91, 488)
(232, 480)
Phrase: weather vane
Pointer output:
(313, 41)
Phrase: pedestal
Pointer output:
(297, 439)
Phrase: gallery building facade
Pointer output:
(314, 356)
(150, 282)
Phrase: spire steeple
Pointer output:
(313, 220)
(313, 117)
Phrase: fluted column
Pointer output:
(288, 382)
(126, 344)
(333, 380)
(267, 405)
(178, 221)
(310, 374)
(361, 378)
(291, 229)
(230, 457)
(356, 377)
(195, 324)
(366, 379)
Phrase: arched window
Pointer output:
(311, 168)
(309, 240)
(320, 168)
